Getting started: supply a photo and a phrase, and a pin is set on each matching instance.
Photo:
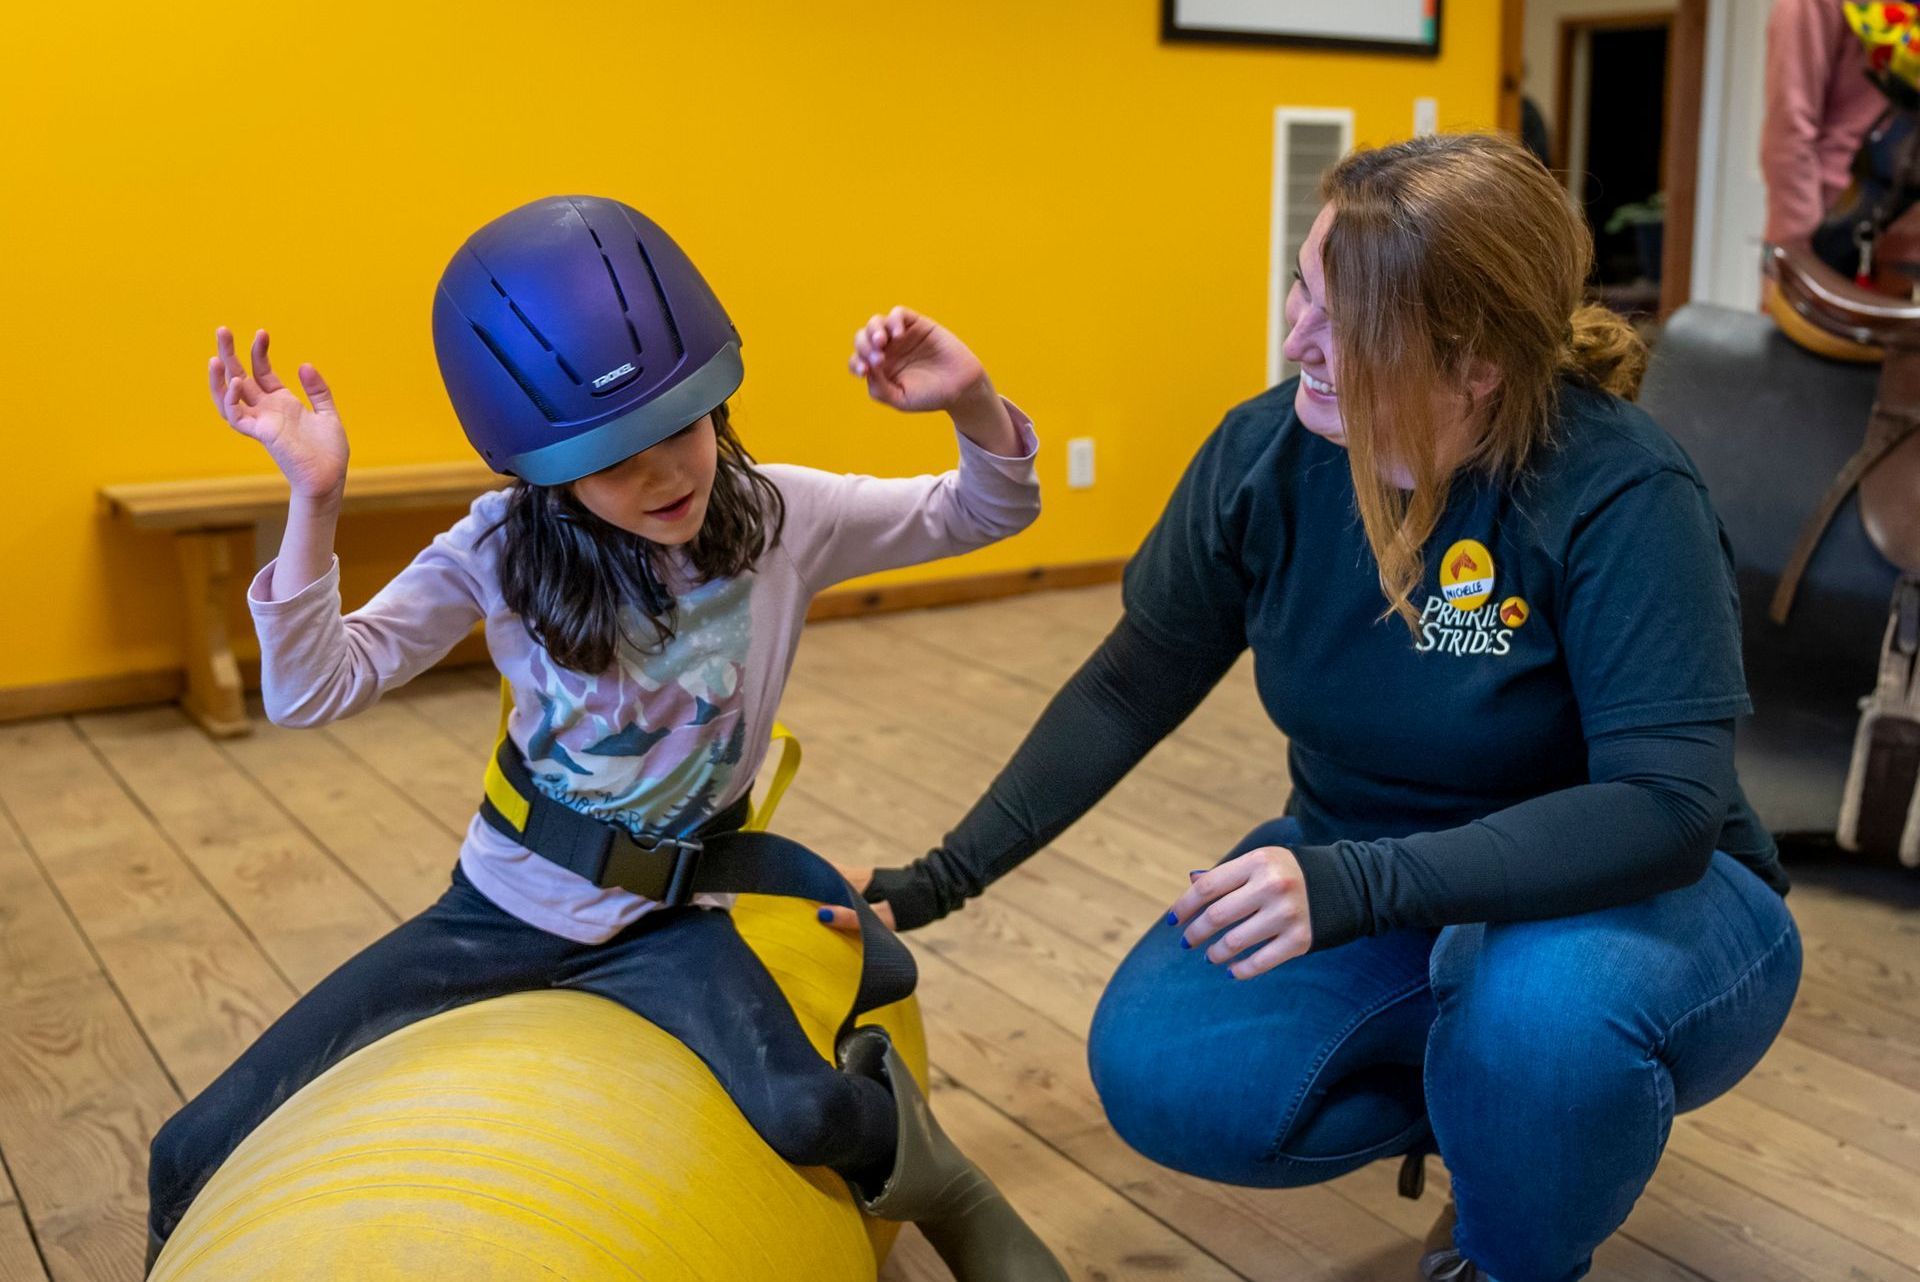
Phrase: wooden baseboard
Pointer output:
(165, 685)
(159, 685)
(90, 694)
(850, 603)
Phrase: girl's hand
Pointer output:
(308, 445)
(913, 364)
(1264, 892)
(844, 918)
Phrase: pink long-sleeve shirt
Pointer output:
(1820, 105)
(668, 736)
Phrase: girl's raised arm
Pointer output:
(309, 445)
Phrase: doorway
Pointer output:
(1610, 91)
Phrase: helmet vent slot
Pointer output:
(666, 311)
(565, 368)
(626, 312)
(614, 276)
(541, 403)
(538, 336)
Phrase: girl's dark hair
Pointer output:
(568, 574)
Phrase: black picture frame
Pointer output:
(1172, 31)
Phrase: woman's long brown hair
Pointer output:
(1452, 258)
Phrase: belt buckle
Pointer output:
(677, 890)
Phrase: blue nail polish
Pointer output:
(1184, 943)
(1172, 920)
(826, 914)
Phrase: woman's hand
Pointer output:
(845, 918)
(913, 364)
(1262, 896)
(308, 445)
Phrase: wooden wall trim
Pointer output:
(165, 685)
(90, 694)
(1513, 22)
(1686, 69)
(846, 604)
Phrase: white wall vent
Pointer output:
(1307, 141)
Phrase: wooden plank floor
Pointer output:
(163, 897)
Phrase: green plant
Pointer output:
(1651, 210)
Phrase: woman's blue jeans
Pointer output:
(1546, 1059)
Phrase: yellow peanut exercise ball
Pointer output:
(546, 1135)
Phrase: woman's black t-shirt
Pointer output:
(1592, 594)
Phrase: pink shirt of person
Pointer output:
(1820, 105)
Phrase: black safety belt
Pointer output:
(721, 858)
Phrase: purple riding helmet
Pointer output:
(572, 333)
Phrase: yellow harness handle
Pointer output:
(501, 793)
(515, 807)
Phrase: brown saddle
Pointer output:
(1886, 467)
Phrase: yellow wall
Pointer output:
(1084, 205)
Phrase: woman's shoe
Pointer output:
(1440, 1259)
(934, 1185)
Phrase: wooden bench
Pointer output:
(204, 515)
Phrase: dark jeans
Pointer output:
(684, 969)
(1547, 1059)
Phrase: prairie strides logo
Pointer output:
(1462, 619)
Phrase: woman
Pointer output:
(1518, 909)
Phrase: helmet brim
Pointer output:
(615, 441)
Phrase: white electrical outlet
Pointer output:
(1080, 463)
(1426, 116)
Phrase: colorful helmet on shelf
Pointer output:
(1888, 33)
(572, 333)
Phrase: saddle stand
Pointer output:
(1880, 810)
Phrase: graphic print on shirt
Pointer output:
(1461, 618)
(651, 744)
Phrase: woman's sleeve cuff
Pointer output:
(1335, 912)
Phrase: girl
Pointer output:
(642, 584)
